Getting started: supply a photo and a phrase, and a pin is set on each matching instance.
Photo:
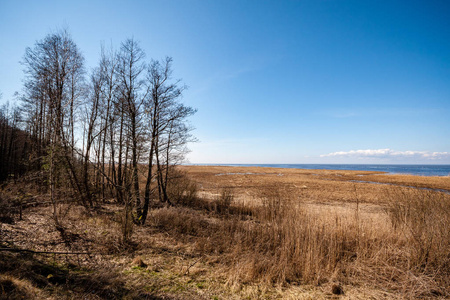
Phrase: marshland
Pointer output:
(239, 233)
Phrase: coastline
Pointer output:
(333, 185)
(405, 169)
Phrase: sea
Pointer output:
(421, 170)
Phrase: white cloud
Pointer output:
(391, 154)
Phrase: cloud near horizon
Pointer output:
(391, 154)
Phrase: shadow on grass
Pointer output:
(25, 276)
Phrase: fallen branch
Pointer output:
(45, 252)
(187, 271)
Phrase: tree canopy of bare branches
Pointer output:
(115, 133)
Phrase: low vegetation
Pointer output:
(215, 243)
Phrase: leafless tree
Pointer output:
(54, 68)
(130, 111)
(165, 116)
(130, 69)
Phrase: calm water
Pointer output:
(423, 170)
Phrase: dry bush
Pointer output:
(107, 234)
(222, 202)
(284, 242)
(291, 244)
(275, 204)
(181, 189)
(180, 220)
(423, 217)
(101, 230)
(288, 244)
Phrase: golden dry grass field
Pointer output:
(313, 185)
(380, 221)
(243, 233)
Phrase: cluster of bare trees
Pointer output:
(114, 133)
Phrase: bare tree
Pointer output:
(130, 68)
(165, 117)
(92, 115)
(54, 69)
(132, 111)
(108, 64)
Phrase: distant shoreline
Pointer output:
(406, 169)
(268, 174)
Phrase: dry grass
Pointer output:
(287, 244)
(424, 220)
(318, 186)
(248, 236)
(14, 288)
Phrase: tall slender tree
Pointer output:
(130, 69)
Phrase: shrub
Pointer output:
(222, 202)
(424, 218)
(181, 189)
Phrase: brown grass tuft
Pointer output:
(14, 288)
(138, 262)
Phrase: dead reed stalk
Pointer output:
(281, 241)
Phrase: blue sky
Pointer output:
(276, 81)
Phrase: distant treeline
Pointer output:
(90, 133)
(14, 145)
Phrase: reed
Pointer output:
(283, 242)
